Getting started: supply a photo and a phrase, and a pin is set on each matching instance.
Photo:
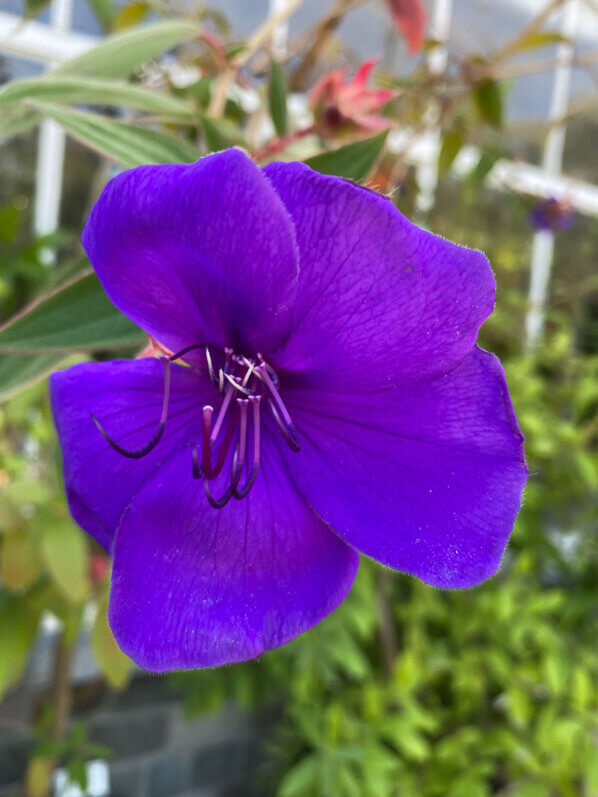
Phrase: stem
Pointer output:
(61, 694)
(258, 38)
(513, 44)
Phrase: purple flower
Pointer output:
(551, 214)
(352, 411)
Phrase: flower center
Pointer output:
(244, 384)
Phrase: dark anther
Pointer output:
(288, 430)
(217, 503)
(137, 453)
(197, 471)
(279, 411)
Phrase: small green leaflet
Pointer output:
(353, 161)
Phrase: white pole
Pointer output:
(50, 155)
(280, 34)
(543, 244)
(427, 173)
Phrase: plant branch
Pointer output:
(256, 40)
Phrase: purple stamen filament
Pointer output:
(245, 381)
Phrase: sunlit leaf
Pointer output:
(115, 665)
(541, 38)
(130, 14)
(65, 553)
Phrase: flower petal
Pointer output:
(126, 397)
(194, 586)
(409, 17)
(200, 253)
(426, 478)
(379, 299)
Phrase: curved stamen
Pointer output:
(280, 412)
(239, 455)
(186, 350)
(217, 503)
(208, 441)
(289, 432)
(137, 453)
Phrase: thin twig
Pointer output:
(256, 40)
(534, 24)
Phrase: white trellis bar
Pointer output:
(427, 171)
(50, 153)
(543, 246)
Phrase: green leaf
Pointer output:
(484, 166)
(353, 161)
(19, 561)
(536, 39)
(76, 316)
(18, 372)
(277, 98)
(104, 11)
(14, 121)
(18, 625)
(301, 779)
(216, 138)
(118, 55)
(131, 14)
(488, 100)
(115, 665)
(31, 8)
(92, 91)
(450, 148)
(65, 553)
(128, 145)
